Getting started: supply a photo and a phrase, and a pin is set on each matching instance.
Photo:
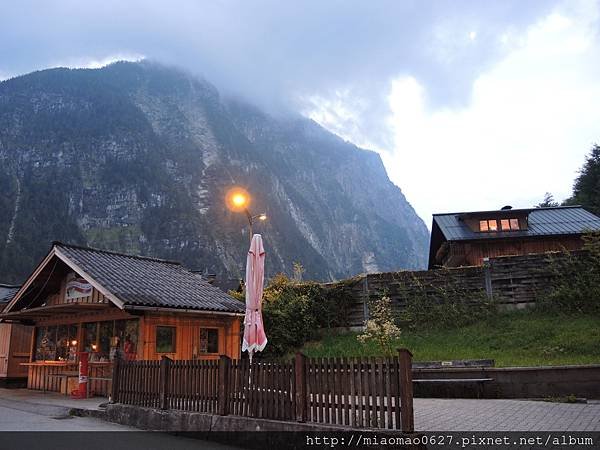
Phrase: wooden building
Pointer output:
(465, 239)
(107, 304)
(15, 342)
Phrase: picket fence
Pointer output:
(349, 392)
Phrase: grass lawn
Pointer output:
(519, 338)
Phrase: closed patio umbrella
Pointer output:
(255, 339)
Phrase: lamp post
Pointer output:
(238, 200)
(252, 218)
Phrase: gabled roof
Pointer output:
(561, 220)
(135, 281)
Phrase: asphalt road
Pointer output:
(25, 426)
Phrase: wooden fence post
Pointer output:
(224, 364)
(165, 364)
(300, 373)
(487, 275)
(114, 387)
(407, 417)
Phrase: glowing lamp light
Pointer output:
(237, 199)
(94, 347)
(263, 216)
(73, 343)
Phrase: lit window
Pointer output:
(504, 224)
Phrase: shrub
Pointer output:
(575, 285)
(380, 328)
(294, 313)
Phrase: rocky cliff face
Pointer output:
(137, 157)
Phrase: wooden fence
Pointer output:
(512, 281)
(350, 392)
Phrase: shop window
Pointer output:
(90, 337)
(130, 339)
(105, 340)
(45, 346)
(56, 343)
(209, 340)
(165, 339)
(102, 340)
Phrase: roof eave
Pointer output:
(181, 310)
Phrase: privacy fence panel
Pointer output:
(350, 392)
(262, 389)
(512, 281)
(137, 383)
(354, 392)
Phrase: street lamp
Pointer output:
(238, 200)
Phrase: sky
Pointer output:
(472, 105)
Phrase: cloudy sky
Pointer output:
(471, 104)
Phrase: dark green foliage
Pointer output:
(445, 305)
(295, 313)
(586, 190)
(575, 287)
(548, 201)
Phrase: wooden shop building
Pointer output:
(109, 304)
(15, 342)
(466, 239)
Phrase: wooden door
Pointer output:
(5, 330)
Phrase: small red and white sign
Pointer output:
(77, 288)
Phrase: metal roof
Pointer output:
(138, 281)
(561, 220)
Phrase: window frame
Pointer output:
(498, 225)
(173, 339)
(200, 339)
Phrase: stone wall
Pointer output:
(513, 281)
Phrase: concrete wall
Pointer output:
(234, 430)
(513, 382)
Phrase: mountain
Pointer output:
(138, 157)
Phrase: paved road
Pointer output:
(504, 415)
(18, 417)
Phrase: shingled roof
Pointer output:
(561, 220)
(7, 292)
(135, 281)
(142, 281)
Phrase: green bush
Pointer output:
(575, 285)
(294, 313)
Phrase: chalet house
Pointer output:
(87, 300)
(465, 239)
(15, 341)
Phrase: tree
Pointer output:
(298, 271)
(548, 201)
(586, 189)
(380, 328)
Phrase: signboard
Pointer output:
(77, 287)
